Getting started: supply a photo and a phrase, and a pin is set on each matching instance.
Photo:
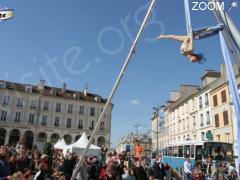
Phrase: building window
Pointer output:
(80, 124)
(69, 120)
(227, 137)
(20, 102)
(200, 103)
(28, 89)
(91, 125)
(224, 96)
(194, 121)
(6, 100)
(81, 110)
(92, 112)
(219, 137)
(208, 117)
(58, 107)
(44, 120)
(202, 135)
(2, 85)
(33, 104)
(206, 100)
(45, 105)
(18, 117)
(225, 118)
(215, 101)
(31, 118)
(183, 124)
(56, 122)
(187, 123)
(193, 104)
(217, 120)
(70, 108)
(3, 116)
(201, 120)
(102, 128)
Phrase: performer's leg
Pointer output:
(175, 37)
(207, 31)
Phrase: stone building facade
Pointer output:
(41, 114)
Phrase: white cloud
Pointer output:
(135, 102)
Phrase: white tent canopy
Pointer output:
(61, 144)
(80, 145)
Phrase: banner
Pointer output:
(6, 14)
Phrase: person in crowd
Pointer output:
(127, 175)
(156, 171)
(12, 163)
(42, 168)
(68, 166)
(197, 172)
(167, 171)
(22, 163)
(36, 161)
(104, 151)
(139, 151)
(231, 171)
(5, 170)
(187, 169)
(222, 171)
(139, 172)
(94, 169)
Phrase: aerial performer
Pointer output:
(187, 48)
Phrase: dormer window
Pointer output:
(76, 96)
(2, 85)
(97, 99)
(53, 92)
(28, 89)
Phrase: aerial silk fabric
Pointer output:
(233, 89)
(207, 32)
(187, 16)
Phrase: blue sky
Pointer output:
(82, 41)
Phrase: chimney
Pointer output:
(64, 87)
(174, 95)
(41, 84)
(236, 70)
(210, 76)
(85, 91)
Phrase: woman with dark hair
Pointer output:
(197, 172)
(187, 48)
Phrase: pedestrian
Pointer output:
(156, 171)
(127, 174)
(197, 172)
(139, 151)
(68, 166)
(4, 163)
(187, 169)
(168, 171)
(139, 172)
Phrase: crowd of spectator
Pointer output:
(19, 163)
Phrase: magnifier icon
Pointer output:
(234, 4)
